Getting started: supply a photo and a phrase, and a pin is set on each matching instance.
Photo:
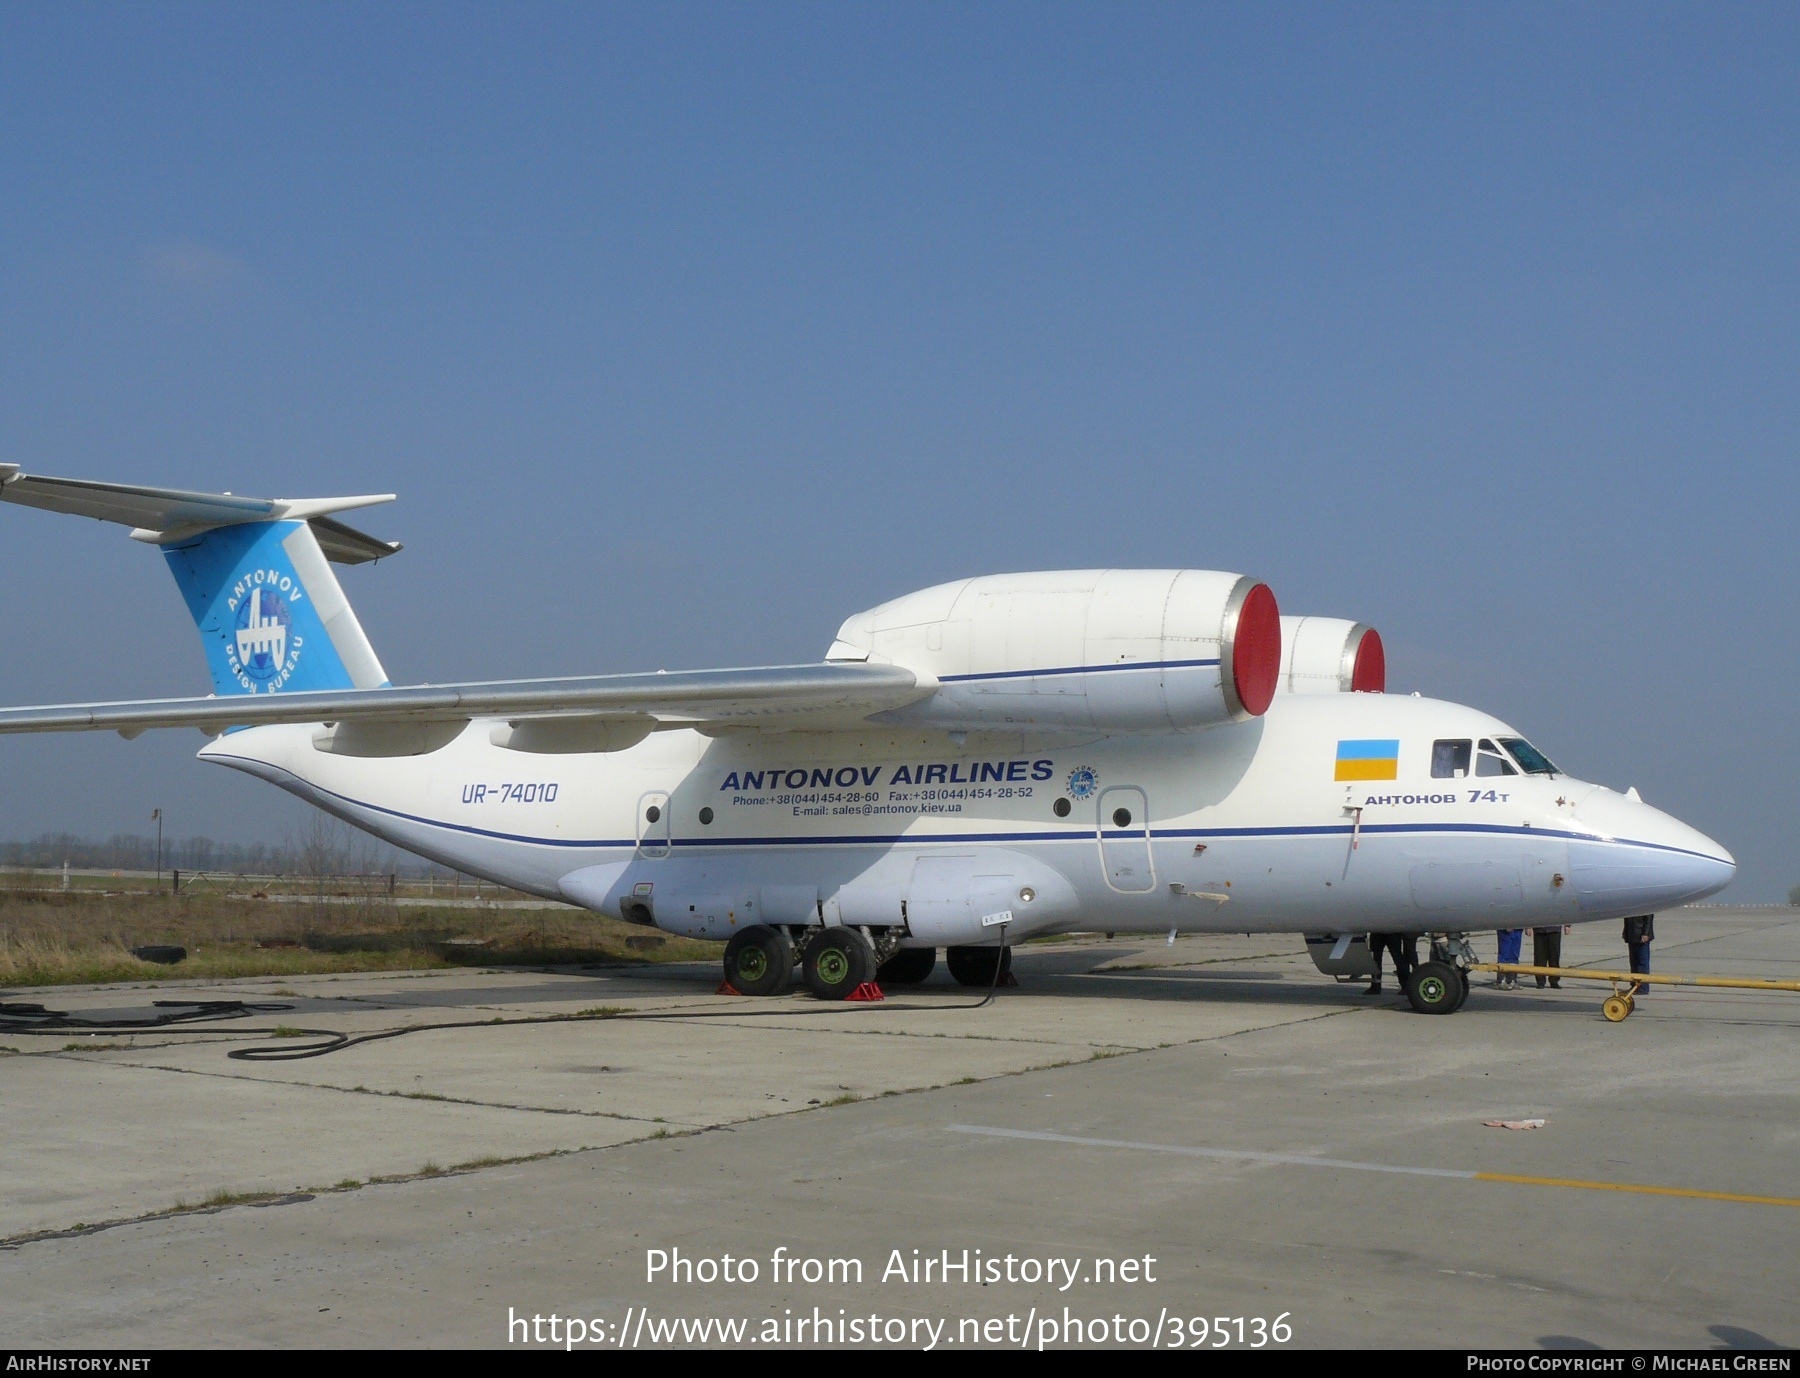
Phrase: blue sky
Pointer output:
(684, 332)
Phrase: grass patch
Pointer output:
(50, 938)
(238, 1198)
(218, 1200)
(286, 1031)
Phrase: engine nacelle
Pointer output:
(1107, 649)
(1328, 655)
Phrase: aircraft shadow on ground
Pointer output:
(1074, 974)
(1067, 973)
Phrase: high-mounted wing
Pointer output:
(779, 697)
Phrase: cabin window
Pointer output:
(1450, 759)
(1530, 759)
(1489, 761)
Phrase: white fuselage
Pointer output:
(1240, 827)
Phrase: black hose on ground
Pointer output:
(36, 1019)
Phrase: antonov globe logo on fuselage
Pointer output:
(1083, 782)
(262, 648)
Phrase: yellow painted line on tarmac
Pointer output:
(1690, 1192)
(1250, 1155)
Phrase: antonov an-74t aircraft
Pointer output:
(974, 764)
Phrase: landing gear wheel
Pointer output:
(1435, 988)
(1462, 978)
(839, 960)
(974, 966)
(1615, 1008)
(907, 967)
(759, 960)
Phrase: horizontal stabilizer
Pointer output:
(169, 516)
(793, 697)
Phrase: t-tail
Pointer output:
(255, 573)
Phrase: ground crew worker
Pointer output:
(1404, 951)
(1546, 951)
(1640, 932)
(1511, 941)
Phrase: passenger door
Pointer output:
(1122, 826)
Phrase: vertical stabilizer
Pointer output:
(271, 613)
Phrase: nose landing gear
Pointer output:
(1436, 989)
(1440, 986)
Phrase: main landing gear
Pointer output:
(760, 960)
(837, 961)
(833, 962)
(979, 966)
(907, 967)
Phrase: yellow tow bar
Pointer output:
(1626, 985)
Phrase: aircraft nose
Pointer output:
(1645, 861)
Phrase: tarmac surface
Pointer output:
(1284, 1149)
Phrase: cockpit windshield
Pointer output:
(1489, 761)
(1530, 759)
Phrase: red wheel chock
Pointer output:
(867, 991)
(726, 988)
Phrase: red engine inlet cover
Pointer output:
(1256, 651)
(1370, 673)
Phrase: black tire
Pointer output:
(162, 954)
(838, 961)
(1462, 980)
(974, 966)
(907, 967)
(1435, 988)
(759, 960)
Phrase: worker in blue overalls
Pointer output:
(1512, 940)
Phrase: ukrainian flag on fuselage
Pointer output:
(1369, 759)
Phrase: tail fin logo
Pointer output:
(263, 650)
(262, 638)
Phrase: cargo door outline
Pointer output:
(1125, 858)
(653, 834)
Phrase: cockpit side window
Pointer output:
(1530, 759)
(1489, 761)
(1450, 759)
